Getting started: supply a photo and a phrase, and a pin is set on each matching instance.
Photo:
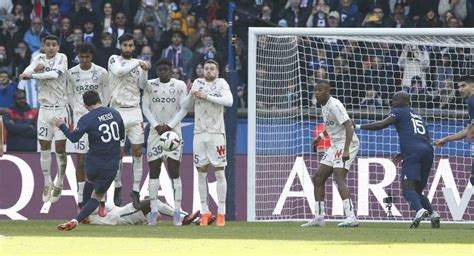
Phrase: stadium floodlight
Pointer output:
(364, 66)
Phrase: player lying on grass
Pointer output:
(128, 215)
(416, 152)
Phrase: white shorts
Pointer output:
(133, 122)
(46, 128)
(210, 148)
(333, 156)
(155, 152)
(82, 146)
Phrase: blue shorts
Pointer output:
(101, 179)
(417, 166)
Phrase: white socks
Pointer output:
(137, 168)
(153, 187)
(348, 208)
(45, 163)
(80, 191)
(61, 159)
(319, 208)
(202, 186)
(118, 177)
(221, 191)
(178, 193)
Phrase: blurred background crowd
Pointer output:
(190, 31)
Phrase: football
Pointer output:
(169, 141)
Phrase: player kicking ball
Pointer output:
(337, 159)
(105, 129)
(416, 152)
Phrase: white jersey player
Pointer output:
(128, 215)
(126, 77)
(337, 159)
(209, 97)
(81, 78)
(164, 106)
(49, 69)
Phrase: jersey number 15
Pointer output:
(418, 126)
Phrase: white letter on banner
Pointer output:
(377, 189)
(27, 185)
(299, 168)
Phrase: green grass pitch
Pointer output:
(236, 238)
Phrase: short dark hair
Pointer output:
(163, 61)
(17, 92)
(125, 37)
(211, 61)
(85, 48)
(50, 37)
(91, 97)
(323, 82)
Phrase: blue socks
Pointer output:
(425, 203)
(413, 198)
(87, 209)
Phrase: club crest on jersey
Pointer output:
(51, 62)
(172, 90)
(213, 87)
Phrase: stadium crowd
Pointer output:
(188, 32)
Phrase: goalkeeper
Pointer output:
(466, 89)
(416, 152)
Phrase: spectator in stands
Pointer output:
(33, 35)
(20, 123)
(399, 18)
(294, 15)
(334, 19)
(188, 20)
(7, 88)
(430, 20)
(6, 61)
(146, 54)
(179, 55)
(21, 20)
(444, 72)
(207, 51)
(105, 50)
(377, 19)
(165, 39)
(65, 30)
(220, 39)
(139, 39)
(119, 27)
(198, 71)
(193, 41)
(178, 74)
(150, 13)
(151, 39)
(366, 6)
(107, 20)
(21, 58)
(91, 33)
(53, 21)
(458, 7)
(350, 15)
(64, 6)
(413, 62)
(11, 33)
(82, 12)
(342, 82)
(214, 11)
(378, 78)
(413, 8)
(69, 47)
(454, 22)
(319, 15)
(267, 17)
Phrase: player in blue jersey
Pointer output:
(104, 127)
(466, 89)
(416, 152)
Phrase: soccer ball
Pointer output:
(169, 141)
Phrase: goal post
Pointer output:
(364, 67)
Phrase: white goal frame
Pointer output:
(254, 32)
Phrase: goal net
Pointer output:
(364, 68)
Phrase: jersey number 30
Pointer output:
(109, 132)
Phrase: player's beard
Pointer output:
(127, 55)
